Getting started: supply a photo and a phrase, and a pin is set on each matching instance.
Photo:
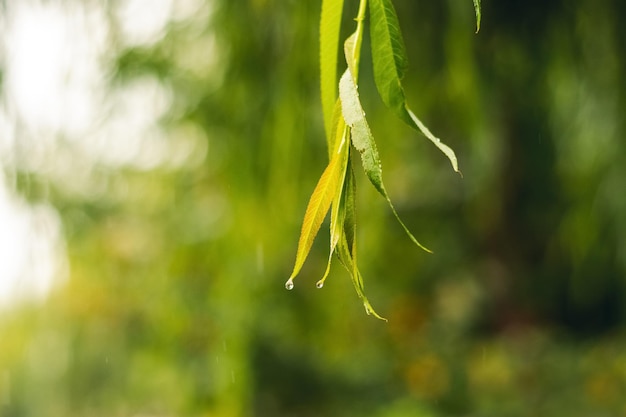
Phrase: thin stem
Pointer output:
(356, 56)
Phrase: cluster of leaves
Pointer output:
(347, 128)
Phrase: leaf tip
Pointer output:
(370, 312)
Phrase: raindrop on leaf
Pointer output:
(289, 284)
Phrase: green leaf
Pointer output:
(350, 263)
(388, 53)
(477, 10)
(349, 201)
(447, 151)
(363, 141)
(319, 204)
(330, 25)
(390, 63)
(343, 236)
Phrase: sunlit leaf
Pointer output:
(330, 25)
(390, 62)
(338, 129)
(343, 235)
(319, 204)
(337, 213)
(363, 141)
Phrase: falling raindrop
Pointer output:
(320, 284)
(289, 284)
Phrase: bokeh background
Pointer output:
(157, 158)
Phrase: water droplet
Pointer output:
(289, 284)
(320, 284)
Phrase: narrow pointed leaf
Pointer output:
(363, 141)
(346, 258)
(338, 209)
(346, 246)
(338, 206)
(318, 207)
(447, 151)
(337, 212)
(330, 25)
(388, 53)
(477, 10)
(390, 63)
(349, 225)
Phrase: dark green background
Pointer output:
(175, 304)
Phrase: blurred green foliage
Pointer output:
(175, 303)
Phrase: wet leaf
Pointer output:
(337, 214)
(363, 141)
(362, 138)
(319, 204)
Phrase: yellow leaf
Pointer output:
(319, 204)
(337, 212)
